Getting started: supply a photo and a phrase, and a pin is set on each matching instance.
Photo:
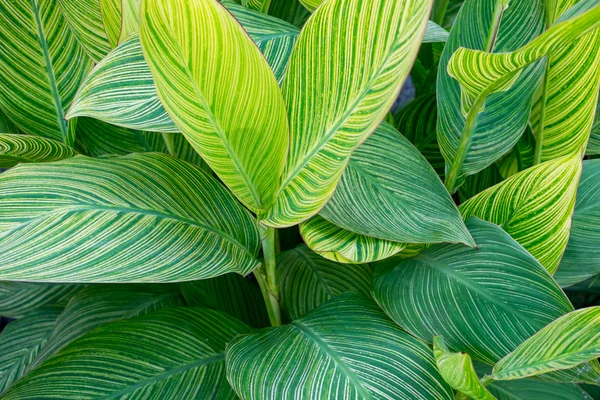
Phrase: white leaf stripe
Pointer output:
(20, 298)
(220, 92)
(345, 349)
(330, 113)
(41, 66)
(175, 353)
(144, 217)
(16, 149)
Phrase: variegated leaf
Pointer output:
(16, 149)
(18, 299)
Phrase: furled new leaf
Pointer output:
(138, 218)
(21, 341)
(457, 369)
(18, 299)
(347, 348)
(581, 259)
(534, 207)
(41, 67)
(230, 293)
(307, 280)
(16, 149)
(565, 343)
(220, 92)
(472, 138)
(337, 94)
(389, 191)
(175, 353)
(337, 244)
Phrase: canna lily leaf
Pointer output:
(333, 108)
(308, 280)
(6, 125)
(593, 147)
(346, 348)
(472, 138)
(16, 149)
(237, 122)
(230, 293)
(97, 305)
(475, 184)
(291, 11)
(519, 158)
(121, 19)
(534, 206)
(457, 369)
(21, 341)
(565, 343)
(41, 66)
(435, 33)
(581, 259)
(389, 191)
(18, 299)
(573, 47)
(176, 352)
(139, 218)
(337, 244)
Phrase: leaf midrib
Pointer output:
(165, 375)
(350, 374)
(315, 271)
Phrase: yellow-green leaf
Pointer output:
(339, 85)
(220, 92)
(534, 207)
(16, 149)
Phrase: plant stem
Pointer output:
(267, 278)
(486, 380)
(169, 143)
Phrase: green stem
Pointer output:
(439, 11)
(486, 380)
(169, 143)
(267, 278)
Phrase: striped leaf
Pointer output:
(519, 158)
(565, 343)
(457, 369)
(435, 33)
(474, 184)
(6, 125)
(308, 280)
(120, 90)
(593, 147)
(472, 138)
(311, 5)
(18, 299)
(337, 94)
(220, 92)
(534, 207)
(417, 122)
(230, 293)
(564, 112)
(16, 149)
(21, 341)
(345, 349)
(97, 305)
(389, 191)
(111, 14)
(84, 19)
(175, 353)
(581, 259)
(493, 297)
(291, 11)
(564, 130)
(41, 67)
(138, 218)
(337, 244)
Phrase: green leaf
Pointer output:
(389, 191)
(567, 44)
(472, 138)
(139, 218)
(21, 341)
(337, 94)
(175, 353)
(84, 19)
(291, 11)
(581, 259)
(534, 207)
(565, 343)
(435, 33)
(593, 147)
(97, 305)
(345, 349)
(337, 244)
(311, 5)
(475, 184)
(230, 293)
(16, 149)
(6, 125)
(457, 369)
(519, 158)
(237, 122)
(111, 15)
(41, 67)
(307, 280)
(18, 299)
(484, 300)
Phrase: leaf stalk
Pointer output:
(267, 277)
